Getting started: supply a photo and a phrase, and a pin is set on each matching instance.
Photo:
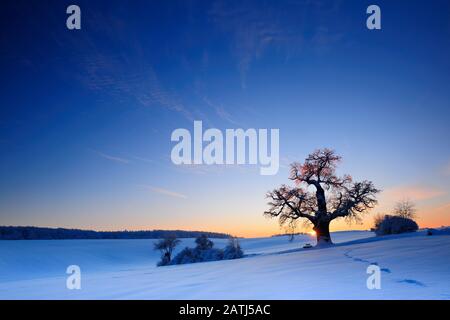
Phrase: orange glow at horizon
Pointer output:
(435, 218)
(247, 223)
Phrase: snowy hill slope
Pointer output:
(31, 259)
(414, 266)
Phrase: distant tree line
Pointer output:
(38, 233)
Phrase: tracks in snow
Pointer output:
(385, 270)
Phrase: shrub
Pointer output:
(203, 243)
(204, 251)
(395, 225)
(209, 255)
(166, 247)
(233, 250)
(187, 255)
(377, 221)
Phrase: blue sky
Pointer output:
(86, 115)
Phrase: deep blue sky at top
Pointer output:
(86, 116)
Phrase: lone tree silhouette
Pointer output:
(334, 197)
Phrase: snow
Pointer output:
(413, 266)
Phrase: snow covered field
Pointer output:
(414, 266)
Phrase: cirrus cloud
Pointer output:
(112, 158)
(165, 192)
(413, 192)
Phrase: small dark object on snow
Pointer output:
(307, 246)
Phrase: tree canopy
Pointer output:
(332, 196)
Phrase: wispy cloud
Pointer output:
(112, 158)
(123, 76)
(324, 38)
(281, 27)
(143, 159)
(220, 111)
(444, 208)
(165, 192)
(416, 193)
(252, 31)
(215, 169)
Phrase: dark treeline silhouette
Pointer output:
(38, 233)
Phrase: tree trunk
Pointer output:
(322, 229)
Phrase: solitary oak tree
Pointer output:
(332, 197)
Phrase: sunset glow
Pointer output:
(87, 144)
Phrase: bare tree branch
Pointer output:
(359, 198)
(290, 203)
(405, 208)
